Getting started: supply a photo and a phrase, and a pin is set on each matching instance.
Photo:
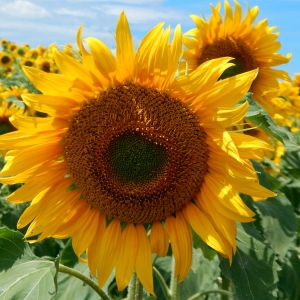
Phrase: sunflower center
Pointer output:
(136, 154)
(135, 159)
(229, 46)
(5, 59)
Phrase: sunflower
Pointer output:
(251, 46)
(12, 47)
(6, 111)
(15, 91)
(6, 60)
(45, 64)
(27, 62)
(128, 149)
(4, 42)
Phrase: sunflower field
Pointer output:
(166, 170)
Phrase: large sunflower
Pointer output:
(251, 46)
(127, 149)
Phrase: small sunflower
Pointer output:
(45, 64)
(6, 60)
(15, 90)
(251, 46)
(4, 42)
(6, 111)
(28, 62)
(12, 47)
(127, 149)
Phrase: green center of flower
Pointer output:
(135, 159)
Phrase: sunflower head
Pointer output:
(251, 46)
(12, 47)
(126, 147)
(6, 111)
(6, 60)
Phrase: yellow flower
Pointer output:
(68, 49)
(45, 64)
(4, 42)
(128, 147)
(16, 91)
(251, 46)
(6, 111)
(27, 62)
(12, 47)
(6, 60)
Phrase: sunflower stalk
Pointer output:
(163, 284)
(174, 282)
(135, 288)
(85, 279)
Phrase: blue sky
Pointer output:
(42, 22)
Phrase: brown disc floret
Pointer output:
(243, 59)
(136, 154)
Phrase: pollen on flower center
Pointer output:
(136, 154)
(229, 46)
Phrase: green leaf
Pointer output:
(262, 175)
(73, 287)
(163, 265)
(257, 115)
(278, 221)
(253, 273)
(23, 275)
(202, 277)
(289, 277)
(68, 257)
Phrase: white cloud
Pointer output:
(137, 15)
(23, 9)
(75, 13)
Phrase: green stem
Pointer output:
(132, 287)
(85, 279)
(174, 283)
(139, 291)
(135, 288)
(222, 292)
(162, 283)
(225, 286)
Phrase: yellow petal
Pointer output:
(32, 187)
(72, 68)
(48, 83)
(93, 249)
(108, 251)
(225, 117)
(175, 53)
(127, 257)
(159, 239)
(203, 227)
(85, 231)
(104, 60)
(181, 241)
(52, 105)
(20, 140)
(143, 265)
(125, 50)
(222, 192)
(32, 156)
(33, 124)
(224, 141)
